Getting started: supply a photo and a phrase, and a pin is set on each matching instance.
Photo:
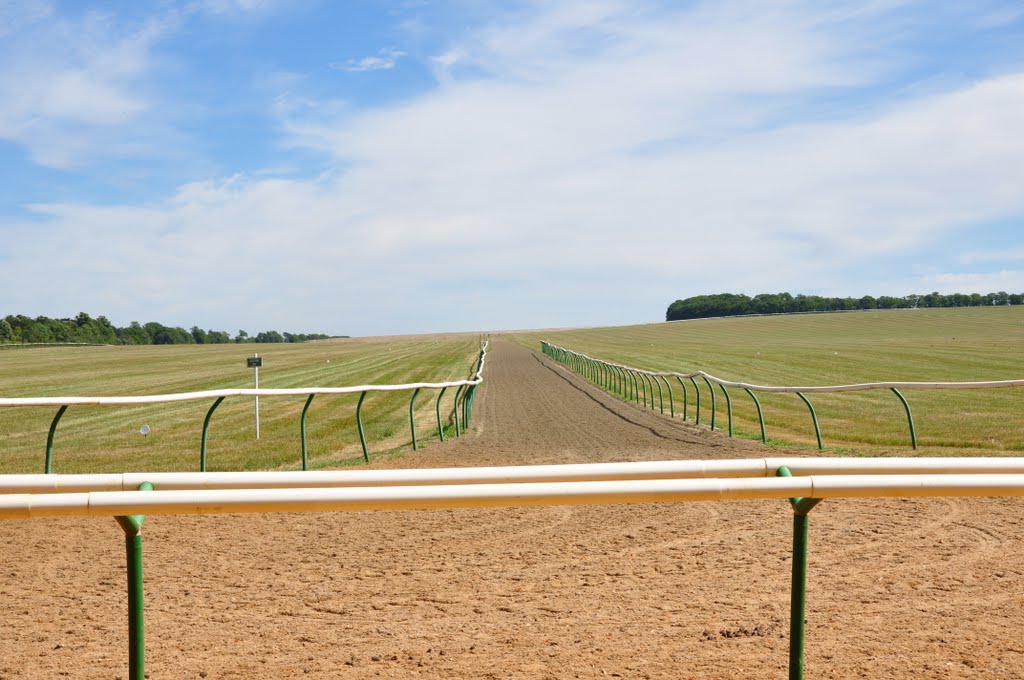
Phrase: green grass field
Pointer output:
(107, 438)
(828, 349)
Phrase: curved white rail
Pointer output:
(977, 384)
(213, 394)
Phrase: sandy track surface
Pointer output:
(898, 589)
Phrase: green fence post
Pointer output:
(412, 418)
(132, 526)
(661, 395)
(206, 432)
(714, 405)
(455, 410)
(728, 404)
(910, 418)
(48, 464)
(302, 430)
(643, 386)
(465, 407)
(697, 390)
(671, 398)
(437, 410)
(359, 423)
(685, 399)
(636, 387)
(798, 599)
(814, 418)
(760, 415)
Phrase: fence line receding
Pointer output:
(462, 409)
(611, 377)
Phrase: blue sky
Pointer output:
(398, 167)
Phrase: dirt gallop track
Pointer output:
(898, 589)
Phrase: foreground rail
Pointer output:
(613, 377)
(804, 481)
(462, 409)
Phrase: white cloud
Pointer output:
(16, 15)
(383, 61)
(1010, 254)
(230, 7)
(65, 84)
(989, 282)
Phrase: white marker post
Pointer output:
(254, 362)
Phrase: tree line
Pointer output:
(731, 304)
(18, 328)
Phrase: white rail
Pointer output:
(348, 499)
(588, 472)
(214, 394)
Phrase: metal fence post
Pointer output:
(132, 526)
(48, 464)
(302, 430)
(206, 432)
(412, 418)
(359, 423)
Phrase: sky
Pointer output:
(366, 168)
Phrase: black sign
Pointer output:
(254, 362)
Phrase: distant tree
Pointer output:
(85, 329)
(172, 336)
(269, 336)
(728, 304)
(106, 332)
(134, 334)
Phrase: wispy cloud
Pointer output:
(972, 282)
(1011, 254)
(67, 84)
(385, 59)
(229, 7)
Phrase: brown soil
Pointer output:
(897, 589)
